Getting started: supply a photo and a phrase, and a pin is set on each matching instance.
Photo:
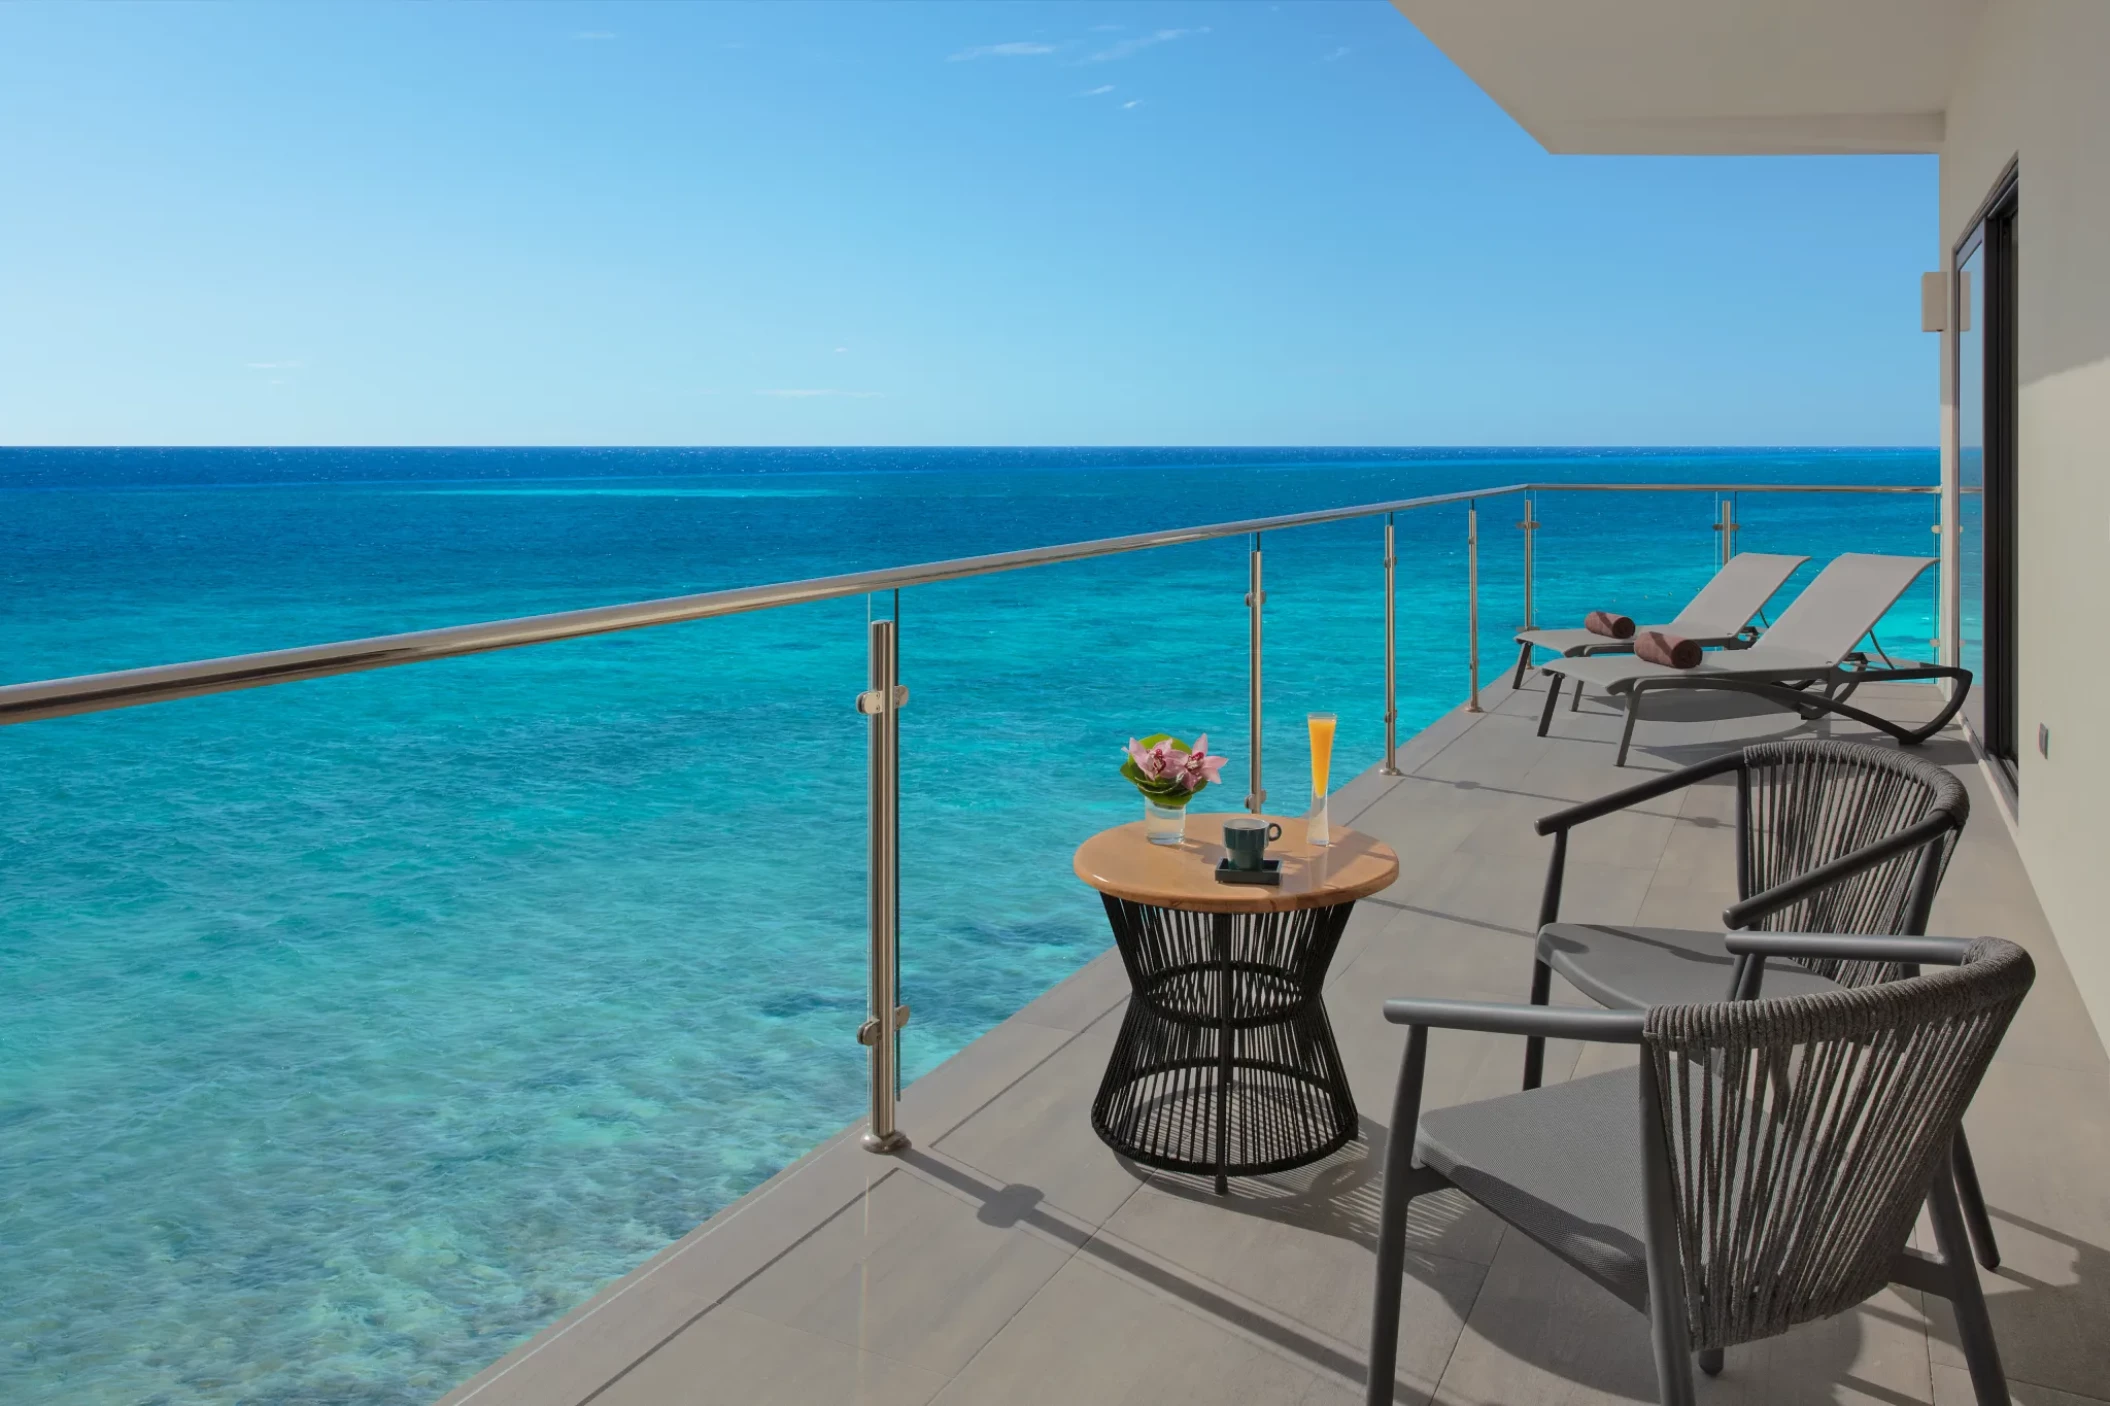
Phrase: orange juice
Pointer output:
(1321, 725)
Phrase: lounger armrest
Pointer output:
(1772, 900)
(1553, 1022)
(1926, 951)
(1634, 795)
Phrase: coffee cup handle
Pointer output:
(1274, 832)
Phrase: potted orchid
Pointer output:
(1169, 773)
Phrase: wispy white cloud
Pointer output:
(1095, 92)
(1017, 49)
(840, 350)
(1132, 102)
(810, 394)
(1341, 53)
(594, 34)
(1128, 48)
(1108, 28)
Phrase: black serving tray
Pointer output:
(1269, 873)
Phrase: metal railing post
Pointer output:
(1391, 766)
(1530, 524)
(1472, 600)
(1726, 526)
(1255, 598)
(881, 1032)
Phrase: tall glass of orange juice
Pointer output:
(1321, 725)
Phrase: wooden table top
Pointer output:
(1123, 863)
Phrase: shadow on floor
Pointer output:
(1604, 1346)
(1022, 1205)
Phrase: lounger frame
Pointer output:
(1791, 689)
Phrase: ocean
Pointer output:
(352, 1030)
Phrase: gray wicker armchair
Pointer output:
(1761, 1167)
(1831, 837)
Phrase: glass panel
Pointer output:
(1970, 470)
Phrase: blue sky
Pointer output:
(1067, 223)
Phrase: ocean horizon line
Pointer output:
(1721, 447)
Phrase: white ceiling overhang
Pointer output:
(1711, 77)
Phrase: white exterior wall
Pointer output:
(2034, 86)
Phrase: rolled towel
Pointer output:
(1603, 622)
(1671, 651)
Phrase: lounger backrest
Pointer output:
(1844, 603)
(1737, 592)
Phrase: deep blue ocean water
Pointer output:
(352, 1030)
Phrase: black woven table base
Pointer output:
(1226, 1063)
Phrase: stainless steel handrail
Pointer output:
(1729, 488)
(161, 683)
(131, 688)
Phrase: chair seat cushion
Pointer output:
(1562, 1164)
(1633, 968)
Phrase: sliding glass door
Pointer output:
(1987, 392)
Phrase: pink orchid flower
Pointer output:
(1155, 762)
(1200, 769)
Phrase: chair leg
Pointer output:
(1400, 1189)
(1710, 1360)
(1974, 1326)
(1553, 696)
(1973, 1202)
(1523, 664)
(1535, 1045)
(1674, 1386)
(1575, 698)
(1633, 715)
(1669, 1333)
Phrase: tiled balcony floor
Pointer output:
(1011, 1258)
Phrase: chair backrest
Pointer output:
(1737, 592)
(1844, 603)
(1806, 803)
(1803, 1133)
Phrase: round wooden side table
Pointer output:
(1226, 1063)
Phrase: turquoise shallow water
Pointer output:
(352, 1030)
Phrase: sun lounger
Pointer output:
(1717, 617)
(1812, 644)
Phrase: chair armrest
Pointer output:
(1936, 951)
(1634, 795)
(1554, 1022)
(1772, 900)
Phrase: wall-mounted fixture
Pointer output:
(1934, 302)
